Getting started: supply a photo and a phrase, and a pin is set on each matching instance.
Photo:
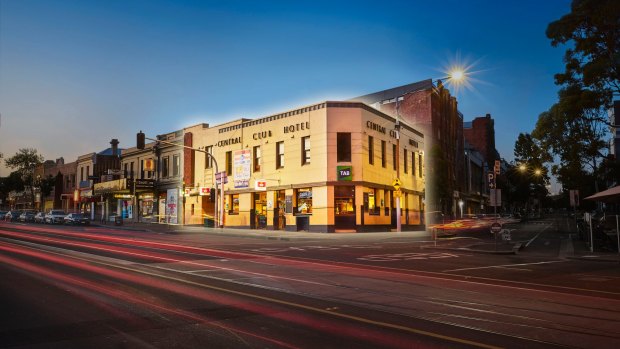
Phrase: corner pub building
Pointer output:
(327, 167)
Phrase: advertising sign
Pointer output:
(495, 197)
(260, 185)
(345, 173)
(204, 191)
(149, 165)
(172, 201)
(241, 168)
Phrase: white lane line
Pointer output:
(503, 266)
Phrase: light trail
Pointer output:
(198, 291)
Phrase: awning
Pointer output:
(609, 195)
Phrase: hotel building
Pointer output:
(327, 167)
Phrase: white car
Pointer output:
(55, 217)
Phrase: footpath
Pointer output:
(571, 246)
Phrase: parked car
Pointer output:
(39, 217)
(26, 216)
(2, 214)
(76, 219)
(12, 216)
(55, 216)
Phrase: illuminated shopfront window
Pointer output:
(233, 204)
(344, 200)
(304, 201)
(373, 205)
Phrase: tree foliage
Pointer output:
(575, 129)
(24, 163)
(593, 60)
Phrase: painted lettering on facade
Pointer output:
(261, 135)
(297, 127)
(229, 141)
(375, 127)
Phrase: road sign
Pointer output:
(219, 175)
(396, 184)
(495, 197)
(496, 168)
(496, 228)
(398, 194)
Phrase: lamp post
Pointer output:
(397, 127)
(461, 203)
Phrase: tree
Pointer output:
(593, 61)
(530, 153)
(24, 162)
(574, 130)
(13, 182)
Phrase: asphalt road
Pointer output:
(96, 287)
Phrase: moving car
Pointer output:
(55, 216)
(76, 218)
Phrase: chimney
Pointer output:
(60, 161)
(114, 143)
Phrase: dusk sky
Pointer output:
(75, 74)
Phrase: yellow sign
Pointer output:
(396, 184)
(149, 165)
(398, 194)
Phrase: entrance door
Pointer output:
(279, 221)
(344, 207)
(260, 210)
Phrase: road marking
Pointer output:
(406, 256)
(502, 266)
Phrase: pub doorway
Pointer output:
(279, 220)
(344, 208)
(260, 210)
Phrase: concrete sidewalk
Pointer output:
(261, 233)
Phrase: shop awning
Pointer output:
(609, 195)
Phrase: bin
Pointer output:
(209, 222)
(303, 223)
(118, 220)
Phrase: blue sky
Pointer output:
(74, 74)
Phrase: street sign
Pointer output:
(396, 184)
(219, 175)
(496, 168)
(495, 197)
(496, 228)
(398, 194)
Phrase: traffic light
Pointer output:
(140, 140)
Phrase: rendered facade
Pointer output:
(327, 167)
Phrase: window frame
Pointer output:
(371, 150)
(256, 158)
(279, 154)
(305, 150)
(383, 153)
(343, 146)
